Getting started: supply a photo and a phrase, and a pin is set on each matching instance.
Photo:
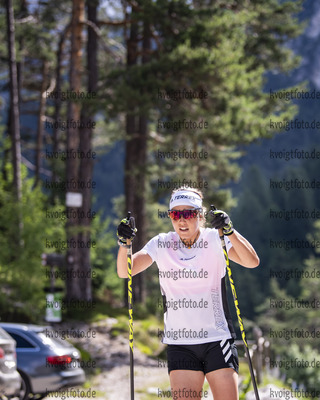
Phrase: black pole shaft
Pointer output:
(130, 309)
(236, 303)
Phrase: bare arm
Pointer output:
(140, 261)
(242, 252)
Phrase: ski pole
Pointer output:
(130, 301)
(236, 303)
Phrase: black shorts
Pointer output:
(204, 357)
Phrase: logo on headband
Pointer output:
(187, 198)
(183, 196)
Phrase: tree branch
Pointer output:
(112, 42)
(114, 23)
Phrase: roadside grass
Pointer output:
(145, 334)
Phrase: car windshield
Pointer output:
(52, 339)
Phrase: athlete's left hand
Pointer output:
(221, 220)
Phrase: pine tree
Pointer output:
(212, 48)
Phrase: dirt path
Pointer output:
(110, 380)
(111, 365)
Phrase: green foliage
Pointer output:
(222, 50)
(257, 218)
(22, 275)
(297, 355)
(146, 331)
(21, 263)
(106, 284)
(302, 366)
(245, 387)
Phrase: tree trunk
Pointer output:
(42, 110)
(86, 164)
(14, 103)
(14, 122)
(129, 179)
(141, 161)
(74, 291)
(57, 102)
(136, 155)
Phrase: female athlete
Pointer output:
(198, 329)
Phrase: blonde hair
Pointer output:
(199, 192)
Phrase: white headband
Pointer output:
(185, 198)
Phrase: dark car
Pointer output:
(10, 381)
(45, 362)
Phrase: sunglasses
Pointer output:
(186, 214)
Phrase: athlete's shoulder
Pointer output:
(212, 236)
(209, 232)
(168, 237)
(164, 236)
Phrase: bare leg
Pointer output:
(186, 384)
(224, 384)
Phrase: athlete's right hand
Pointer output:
(126, 230)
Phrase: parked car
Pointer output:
(10, 380)
(45, 362)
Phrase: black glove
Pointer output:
(221, 220)
(126, 230)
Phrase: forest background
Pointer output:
(94, 105)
